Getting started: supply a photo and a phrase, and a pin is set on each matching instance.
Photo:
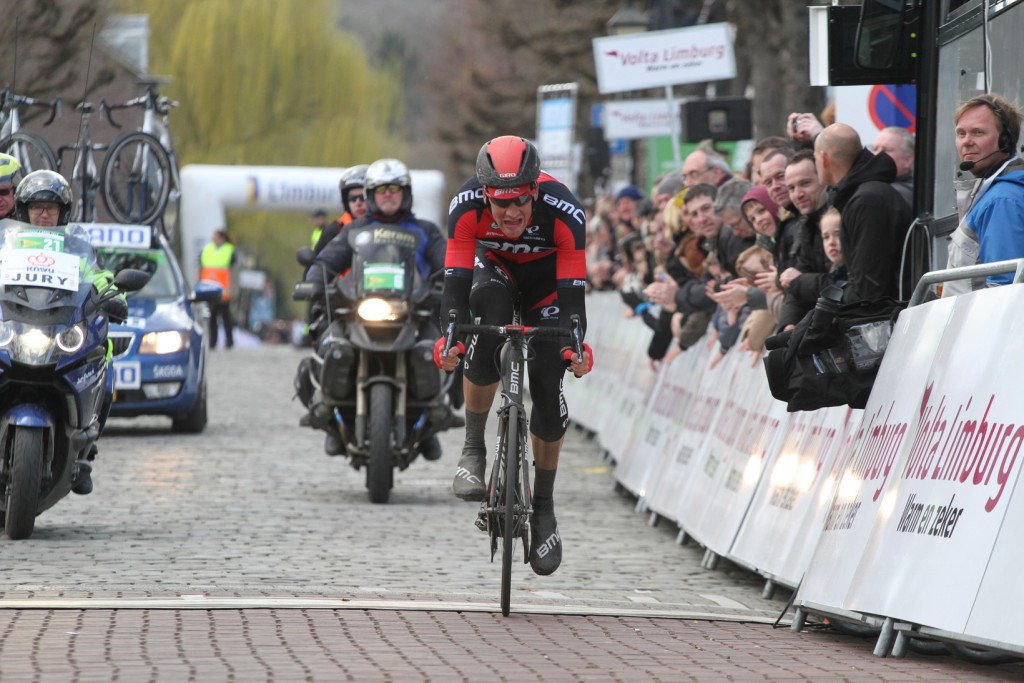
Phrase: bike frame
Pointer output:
(508, 509)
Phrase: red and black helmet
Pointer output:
(508, 167)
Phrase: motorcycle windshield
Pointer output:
(384, 270)
(43, 270)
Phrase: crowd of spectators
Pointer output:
(747, 254)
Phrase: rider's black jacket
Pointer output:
(336, 257)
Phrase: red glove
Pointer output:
(439, 349)
(568, 353)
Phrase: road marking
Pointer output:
(641, 598)
(723, 601)
(260, 602)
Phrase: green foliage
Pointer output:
(269, 82)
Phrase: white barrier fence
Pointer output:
(900, 515)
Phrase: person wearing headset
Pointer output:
(991, 205)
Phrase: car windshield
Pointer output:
(161, 285)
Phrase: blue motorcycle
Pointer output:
(53, 364)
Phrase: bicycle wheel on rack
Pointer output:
(31, 151)
(508, 516)
(136, 178)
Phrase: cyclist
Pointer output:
(516, 232)
(10, 175)
(44, 199)
(388, 187)
(353, 199)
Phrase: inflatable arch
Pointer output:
(207, 191)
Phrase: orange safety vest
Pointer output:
(215, 265)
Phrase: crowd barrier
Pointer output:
(901, 515)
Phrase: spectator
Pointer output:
(727, 206)
(898, 143)
(773, 175)
(992, 222)
(702, 166)
(318, 217)
(833, 246)
(666, 188)
(803, 281)
(761, 148)
(626, 201)
(804, 128)
(874, 216)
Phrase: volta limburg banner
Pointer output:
(655, 59)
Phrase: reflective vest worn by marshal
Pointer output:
(215, 265)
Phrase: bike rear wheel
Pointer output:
(136, 178)
(512, 455)
(31, 151)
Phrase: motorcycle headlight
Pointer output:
(160, 343)
(33, 346)
(72, 339)
(377, 310)
(6, 334)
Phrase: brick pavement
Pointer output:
(252, 511)
(372, 645)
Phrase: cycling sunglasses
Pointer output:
(521, 200)
(357, 197)
(394, 188)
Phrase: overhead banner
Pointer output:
(634, 119)
(654, 59)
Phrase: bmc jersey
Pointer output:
(556, 230)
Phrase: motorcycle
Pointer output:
(53, 365)
(371, 378)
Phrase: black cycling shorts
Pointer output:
(496, 285)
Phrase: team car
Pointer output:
(159, 352)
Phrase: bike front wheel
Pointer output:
(136, 178)
(512, 455)
(31, 151)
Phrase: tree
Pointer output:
(49, 45)
(270, 83)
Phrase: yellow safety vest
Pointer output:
(215, 264)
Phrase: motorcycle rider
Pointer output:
(515, 232)
(353, 198)
(388, 188)
(43, 199)
(10, 176)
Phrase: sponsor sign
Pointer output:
(122, 236)
(868, 459)
(632, 119)
(654, 59)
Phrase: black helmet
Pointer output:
(43, 186)
(354, 176)
(388, 172)
(509, 164)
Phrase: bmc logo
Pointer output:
(548, 545)
(566, 207)
(514, 248)
(465, 196)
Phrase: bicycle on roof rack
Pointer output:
(85, 181)
(140, 179)
(30, 149)
(509, 502)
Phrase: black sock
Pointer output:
(476, 423)
(544, 484)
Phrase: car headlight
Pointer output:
(376, 310)
(72, 339)
(160, 343)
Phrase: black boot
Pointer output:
(83, 481)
